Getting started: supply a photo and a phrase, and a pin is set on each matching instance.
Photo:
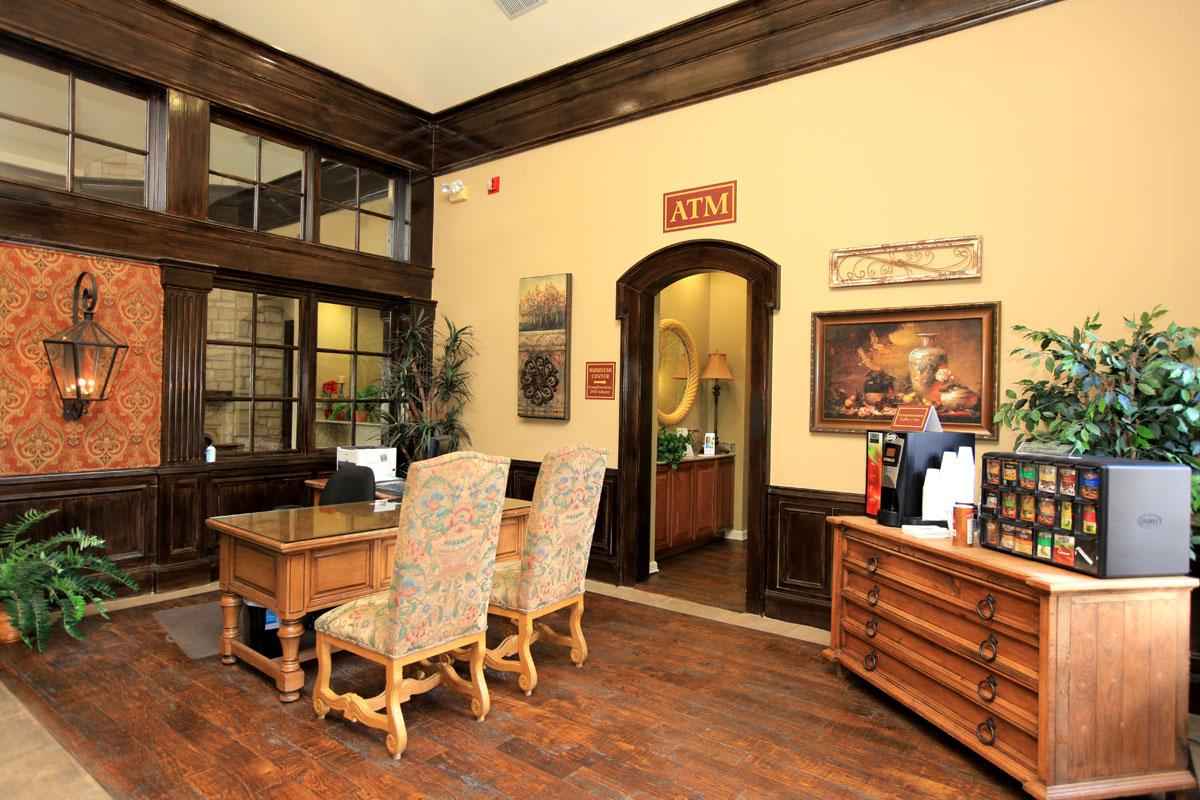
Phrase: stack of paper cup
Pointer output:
(965, 490)
(933, 495)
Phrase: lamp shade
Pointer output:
(717, 368)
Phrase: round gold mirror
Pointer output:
(678, 372)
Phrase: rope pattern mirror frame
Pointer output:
(668, 418)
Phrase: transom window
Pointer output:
(251, 371)
(62, 131)
(255, 182)
(358, 208)
(351, 343)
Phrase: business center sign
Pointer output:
(700, 207)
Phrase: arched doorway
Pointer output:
(635, 308)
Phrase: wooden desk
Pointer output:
(300, 560)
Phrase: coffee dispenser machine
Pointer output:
(896, 464)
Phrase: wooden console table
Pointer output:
(1075, 686)
(300, 560)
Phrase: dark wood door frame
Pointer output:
(636, 290)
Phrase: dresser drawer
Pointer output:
(979, 642)
(987, 688)
(983, 728)
(976, 598)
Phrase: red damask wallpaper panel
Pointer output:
(35, 302)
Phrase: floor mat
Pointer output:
(196, 629)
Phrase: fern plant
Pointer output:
(62, 572)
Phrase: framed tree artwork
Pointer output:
(867, 363)
(544, 347)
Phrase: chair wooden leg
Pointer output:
(397, 738)
(321, 691)
(579, 650)
(481, 703)
(528, 675)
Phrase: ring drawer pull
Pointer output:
(986, 731)
(986, 608)
(989, 648)
(873, 596)
(872, 628)
(987, 689)
(870, 661)
(872, 565)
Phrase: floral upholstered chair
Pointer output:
(553, 564)
(436, 608)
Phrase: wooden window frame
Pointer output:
(398, 218)
(354, 352)
(261, 133)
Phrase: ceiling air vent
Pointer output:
(514, 8)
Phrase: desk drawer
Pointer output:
(987, 688)
(976, 598)
(982, 644)
(986, 730)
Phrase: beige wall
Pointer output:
(1065, 136)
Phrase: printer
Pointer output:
(381, 460)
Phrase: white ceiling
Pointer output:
(437, 53)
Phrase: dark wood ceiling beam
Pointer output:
(55, 218)
(729, 50)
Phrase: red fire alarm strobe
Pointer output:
(494, 184)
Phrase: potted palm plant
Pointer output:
(427, 386)
(62, 574)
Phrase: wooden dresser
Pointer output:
(1075, 686)
(693, 503)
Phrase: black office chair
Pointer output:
(349, 484)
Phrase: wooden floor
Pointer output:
(669, 705)
(714, 575)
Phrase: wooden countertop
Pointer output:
(1044, 577)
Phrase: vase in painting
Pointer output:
(924, 361)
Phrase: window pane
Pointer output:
(33, 92)
(338, 182)
(275, 373)
(233, 152)
(277, 319)
(107, 172)
(334, 421)
(227, 370)
(228, 425)
(367, 432)
(372, 329)
(274, 426)
(230, 201)
(333, 326)
(282, 165)
(337, 226)
(106, 114)
(229, 315)
(374, 234)
(279, 212)
(333, 376)
(368, 376)
(32, 155)
(380, 205)
(376, 187)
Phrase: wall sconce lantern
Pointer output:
(84, 357)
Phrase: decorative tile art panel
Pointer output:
(907, 262)
(544, 347)
(122, 432)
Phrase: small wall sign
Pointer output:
(700, 207)
(601, 381)
(916, 418)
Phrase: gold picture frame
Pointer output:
(866, 363)
(952, 258)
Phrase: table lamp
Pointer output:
(716, 370)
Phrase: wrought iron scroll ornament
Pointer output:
(539, 380)
(906, 262)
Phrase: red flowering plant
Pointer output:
(329, 388)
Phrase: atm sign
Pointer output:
(699, 207)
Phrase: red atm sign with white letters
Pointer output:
(700, 207)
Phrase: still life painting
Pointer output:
(544, 347)
(865, 364)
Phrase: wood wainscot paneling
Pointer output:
(799, 552)
(602, 563)
(121, 506)
(170, 46)
(728, 50)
